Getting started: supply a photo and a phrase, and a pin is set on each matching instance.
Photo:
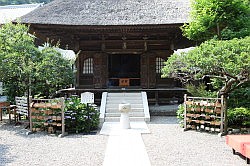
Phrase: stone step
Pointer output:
(131, 114)
(113, 110)
(124, 94)
(121, 100)
(136, 105)
(117, 119)
(117, 103)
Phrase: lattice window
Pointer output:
(159, 64)
(88, 66)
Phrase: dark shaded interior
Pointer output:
(124, 66)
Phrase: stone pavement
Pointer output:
(125, 146)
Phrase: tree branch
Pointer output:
(213, 76)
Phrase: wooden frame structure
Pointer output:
(202, 113)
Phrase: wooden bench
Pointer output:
(247, 152)
(10, 110)
(239, 143)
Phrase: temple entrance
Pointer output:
(124, 70)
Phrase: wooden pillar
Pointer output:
(144, 70)
(99, 76)
(151, 71)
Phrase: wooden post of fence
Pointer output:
(29, 113)
(222, 115)
(185, 112)
(63, 120)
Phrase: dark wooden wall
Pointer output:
(99, 42)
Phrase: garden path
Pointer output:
(125, 146)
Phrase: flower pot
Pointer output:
(50, 112)
(198, 109)
(207, 117)
(38, 129)
(207, 110)
(189, 102)
(54, 118)
(58, 118)
(217, 110)
(50, 130)
(217, 104)
(40, 117)
(217, 123)
(55, 106)
(197, 115)
(48, 105)
(193, 127)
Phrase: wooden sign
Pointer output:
(124, 82)
(87, 97)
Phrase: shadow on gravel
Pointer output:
(18, 130)
(4, 158)
(163, 120)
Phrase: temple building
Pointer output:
(122, 44)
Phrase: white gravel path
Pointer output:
(17, 149)
(168, 145)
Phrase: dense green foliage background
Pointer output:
(225, 20)
(17, 2)
(24, 67)
(222, 30)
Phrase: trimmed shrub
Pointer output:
(80, 117)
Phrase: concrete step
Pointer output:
(123, 94)
(117, 119)
(131, 114)
(121, 100)
(117, 105)
(113, 110)
(133, 104)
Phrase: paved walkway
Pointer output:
(125, 146)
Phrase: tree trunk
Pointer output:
(225, 109)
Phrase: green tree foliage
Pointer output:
(240, 97)
(52, 71)
(17, 2)
(227, 61)
(17, 57)
(225, 19)
(200, 91)
(23, 66)
(80, 117)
